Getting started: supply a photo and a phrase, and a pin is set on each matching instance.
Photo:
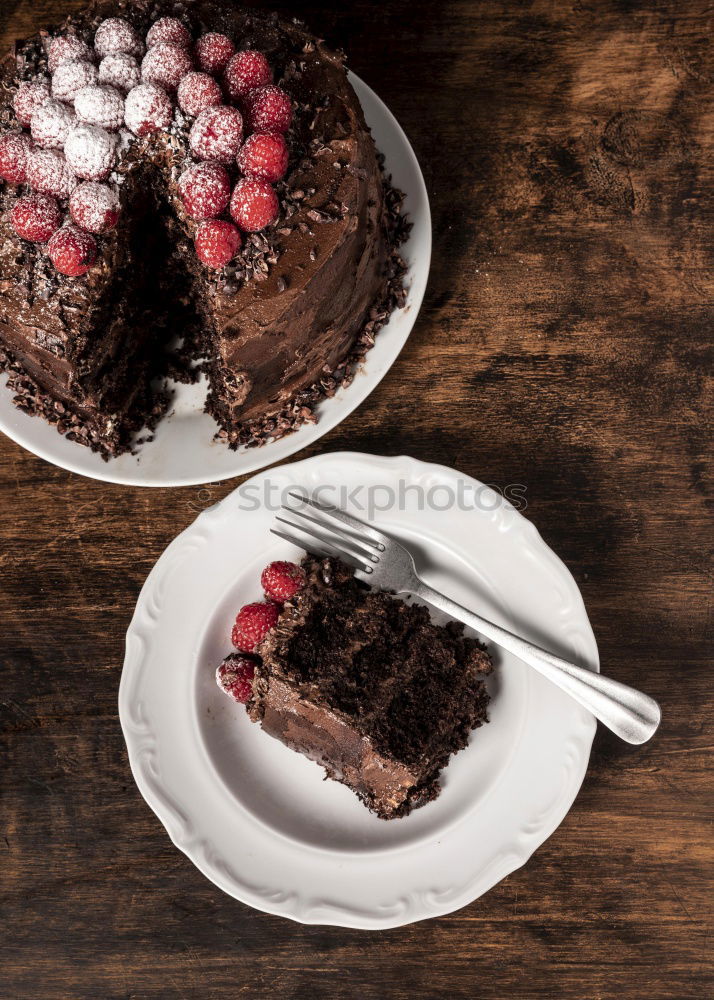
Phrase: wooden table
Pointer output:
(563, 345)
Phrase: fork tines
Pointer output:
(328, 531)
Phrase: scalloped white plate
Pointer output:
(184, 452)
(257, 818)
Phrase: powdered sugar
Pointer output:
(100, 105)
(14, 150)
(30, 97)
(35, 217)
(121, 71)
(72, 251)
(148, 109)
(165, 64)
(95, 207)
(213, 52)
(245, 71)
(216, 134)
(71, 77)
(198, 91)
(205, 190)
(49, 173)
(168, 29)
(51, 123)
(90, 152)
(117, 35)
(67, 48)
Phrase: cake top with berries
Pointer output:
(134, 78)
(360, 681)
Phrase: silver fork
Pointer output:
(386, 564)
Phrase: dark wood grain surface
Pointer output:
(564, 344)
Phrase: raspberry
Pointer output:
(35, 217)
(115, 35)
(90, 152)
(198, 91)
(246, 71)
(213, 52)
(72, 251)
(168, 29)
(14, 151)
(269, 110)
(51, 124)
(216, 134)
(30, 97)
(147, 109)
(205, 190)
(264, 156)
(165, 64)
(103, 106)
(235, 677)
(67, 48)
(254, 205)
(282, 580)
(121, 71)
(71, 77)
(94, 207)
(253, 623)
(217, 243)
(48, 172)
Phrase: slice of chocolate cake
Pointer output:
(369, 687)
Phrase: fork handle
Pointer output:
(630, 714)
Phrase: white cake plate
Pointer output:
(258, 819)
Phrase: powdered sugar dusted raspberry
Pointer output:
(217, 243)
(95, 207)
(30, 97)
(49, 173)
(117, 35)
(147, 109)
(90, 152)
(51, 124)
(198, 91)
(165, 64)
(100, 105)
(213, 51)
(14, 151)
(168, 29)
(72, 251)
(245, 71)
(67, 48)
(71, 77)
(269, 109)
(121, 71)
(205, 190)
(264, 156)
(235, 676)
(254, 205)
(216, 134)
(36, 217)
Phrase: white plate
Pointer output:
(184, 452)
(257, 818)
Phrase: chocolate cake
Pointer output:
(91, 325)
(369, 687)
